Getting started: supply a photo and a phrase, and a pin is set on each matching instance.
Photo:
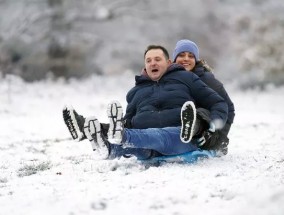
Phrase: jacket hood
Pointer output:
(201, 67)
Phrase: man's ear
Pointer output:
(144, 72)
(169, 62)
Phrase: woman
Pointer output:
(186, 53)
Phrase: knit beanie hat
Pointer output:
(186, 46)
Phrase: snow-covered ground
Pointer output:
(42, 171)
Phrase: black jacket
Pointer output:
(209, 79)
(157, 104)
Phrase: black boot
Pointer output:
(74, 123)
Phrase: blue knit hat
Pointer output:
(186, 46)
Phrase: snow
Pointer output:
(43, 171)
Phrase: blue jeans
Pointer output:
(142, 141)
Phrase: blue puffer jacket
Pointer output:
(157, 104)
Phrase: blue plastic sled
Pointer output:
(189, 157)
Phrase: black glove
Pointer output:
(206, 135)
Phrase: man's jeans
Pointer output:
(163, 140)
(143, 142)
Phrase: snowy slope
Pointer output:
(42, 171)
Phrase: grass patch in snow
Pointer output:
(31, 169)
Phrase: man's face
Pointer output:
(156, 64)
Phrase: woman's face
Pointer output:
(186, 59)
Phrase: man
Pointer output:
(154, 111)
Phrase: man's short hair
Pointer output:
(165, 51)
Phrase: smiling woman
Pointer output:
(186, 53)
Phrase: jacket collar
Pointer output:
(172, 68)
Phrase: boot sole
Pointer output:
(188, 118)
(71, 123)
(92, 130)
(115, 115)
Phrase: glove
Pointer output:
(212, 127)
(206, 135)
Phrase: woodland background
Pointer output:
(242, 40)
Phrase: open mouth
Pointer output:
(155, 70)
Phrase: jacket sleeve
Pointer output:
(217, 86)
(207, 98)
(130, 109)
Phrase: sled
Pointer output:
(189, 157)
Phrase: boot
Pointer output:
(92, 130)
(115, 115)
(74, 123)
